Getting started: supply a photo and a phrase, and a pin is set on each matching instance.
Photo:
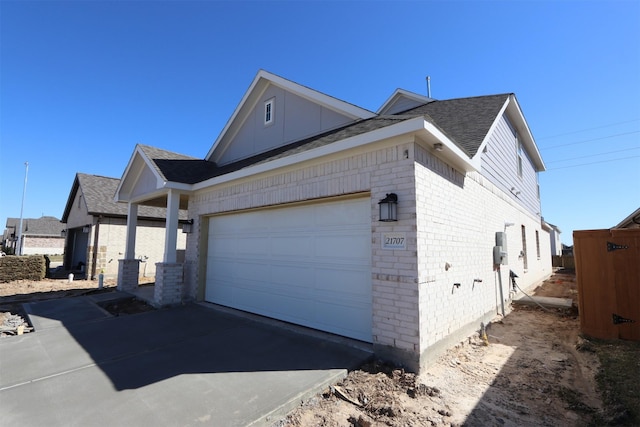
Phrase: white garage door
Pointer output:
(308, 264)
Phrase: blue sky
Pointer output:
(81, 82)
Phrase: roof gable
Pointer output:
(298, 113)
(403, 100)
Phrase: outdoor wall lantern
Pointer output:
(86, 228)
(63, 233)
(389, 208)
(187, 227)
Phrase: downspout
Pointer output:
(94, 261)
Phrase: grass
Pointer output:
(619, 381)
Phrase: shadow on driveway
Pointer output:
(176, 366)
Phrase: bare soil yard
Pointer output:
(535, 371)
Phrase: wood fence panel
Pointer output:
(596, 297)
(627, 283)
(608, 278)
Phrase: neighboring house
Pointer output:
(40, 236)
(554, 235)
(96, 229)
(290, 222)
(632, 221)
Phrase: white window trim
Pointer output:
(269, 111)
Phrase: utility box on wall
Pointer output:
(500, 249)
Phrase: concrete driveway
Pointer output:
(185, 366)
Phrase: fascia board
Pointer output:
(72, 195)
(532, 147)
(330, 102)
(180, 186)
(127, 171)
(477, 158)
(147, 196)
(248, 93)
(407, 126)
(459, 156)
(629, 219)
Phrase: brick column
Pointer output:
(128, 274)
(169, 282)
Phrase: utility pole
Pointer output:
(24, 192)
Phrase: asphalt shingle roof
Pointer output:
(99, 194)
(43, 226)
(466, 121)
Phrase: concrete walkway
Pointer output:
(191, 365)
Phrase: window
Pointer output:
(537, 244)
(269, 111)
(519, 148)
(523, 253)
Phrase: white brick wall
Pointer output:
(446, 216)
(457, 225)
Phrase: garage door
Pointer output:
(305, 264)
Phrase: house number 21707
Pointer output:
(394, 241)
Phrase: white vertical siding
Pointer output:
(500, 167)
(294, 118)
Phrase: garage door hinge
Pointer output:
(614, 247)
(619, 319)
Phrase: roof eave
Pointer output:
(513, 107)
(418, 125)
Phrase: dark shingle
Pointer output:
(44, 226)
(465, 120)
(99, 194)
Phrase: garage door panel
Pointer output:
(345, 320)
(346, 247)
(219, 268)
(343, 282)
(349, 214)
(223, 246)
(297, 277)
(309, 265)
(291, 246)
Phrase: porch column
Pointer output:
(129, 267)
(171, 228)
(169, 273)
(132, 223)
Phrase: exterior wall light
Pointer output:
(86, 228)
(187, 227)
(63, 232)
(389, 208)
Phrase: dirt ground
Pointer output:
(14, 294)
(535, 371)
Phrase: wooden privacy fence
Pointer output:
(608, 278)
